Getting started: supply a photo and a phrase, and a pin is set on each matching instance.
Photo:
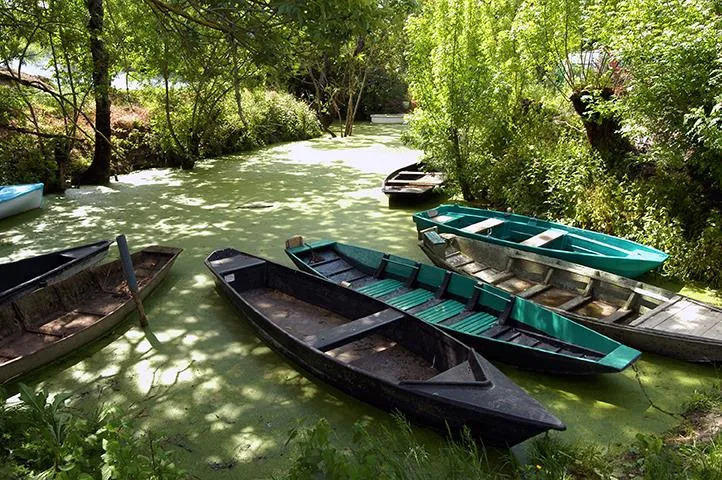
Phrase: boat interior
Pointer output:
(468, 308)
(532, 234)
(48, 315)
(548, 283)
(367, 335)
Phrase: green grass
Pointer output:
(691, 451)
(389, 453)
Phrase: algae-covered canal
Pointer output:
(200, 377)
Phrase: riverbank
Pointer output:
(223, 401)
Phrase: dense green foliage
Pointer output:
(142, 138)
(680, 454)
(387, 454)
(562, 110)
(201, 57)
(43, 438)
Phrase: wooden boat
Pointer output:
(16, 199)
(378, 354)
(596, 250)
(23, 276)
(411, 183)
(499, 325)
(642, 316)
(45, 325)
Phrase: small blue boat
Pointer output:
(16, 199)
(593, 249)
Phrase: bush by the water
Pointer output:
(142, 137)
(44, 438)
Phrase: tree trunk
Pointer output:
(459, 165)
(99, 171)
(603, 132)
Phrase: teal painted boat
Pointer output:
(499, 325)
(593, 249)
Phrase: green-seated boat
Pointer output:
(499, 325)
(593, 249)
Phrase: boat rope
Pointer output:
(637, 374)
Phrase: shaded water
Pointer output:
(201, 377)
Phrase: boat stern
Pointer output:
(620, 358)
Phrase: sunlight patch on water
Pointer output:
(154, 176)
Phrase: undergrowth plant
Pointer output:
(387, 453)
(44, 438)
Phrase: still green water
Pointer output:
(202, 379)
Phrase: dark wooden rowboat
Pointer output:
(637, 314)
(376, 353)
(411, 183)
(45, 325)
(497, 324)
(24, 276)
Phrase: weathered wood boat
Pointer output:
(378, 354)
(16, 199)
(642, 316)
(45, 325)
(23, 276)
(593, 249)
(499, 325)
(412, 183)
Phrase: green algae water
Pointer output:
(199, 376)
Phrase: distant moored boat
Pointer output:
(16, 199)
(412, 183)
(593, 249)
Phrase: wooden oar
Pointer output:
(129, 272)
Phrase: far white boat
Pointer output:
(387, 118)
(16, 199)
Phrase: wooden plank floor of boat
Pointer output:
(685, 317)
(547, 295)
(373, 353)
(425, 305)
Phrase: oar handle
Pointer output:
(129, 273)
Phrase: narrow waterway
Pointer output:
(201, 378)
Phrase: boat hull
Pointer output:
(58, 348)
(24, 276)
(495, 428)
(608, 253)
(21, 199)
(622, 306)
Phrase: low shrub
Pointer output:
(44, 438)
(387, 454)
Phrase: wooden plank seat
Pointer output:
(348, 332)
(483, 225)
(544, 238)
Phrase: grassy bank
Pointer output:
(693, 450)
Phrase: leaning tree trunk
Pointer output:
(99, 171)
